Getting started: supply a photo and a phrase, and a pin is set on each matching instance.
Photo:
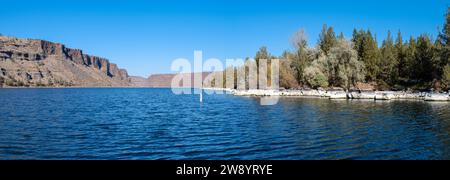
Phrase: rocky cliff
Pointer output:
(26, 62)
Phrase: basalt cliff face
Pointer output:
(26, 62)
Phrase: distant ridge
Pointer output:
(160, 80)
(29, 62)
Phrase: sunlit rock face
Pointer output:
(28, 62)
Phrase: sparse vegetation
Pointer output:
(40, 84)
(20, 83)
(10, 82)
(62, 83)
(49, 82)
(2, 81)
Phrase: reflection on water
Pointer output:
(155, 124)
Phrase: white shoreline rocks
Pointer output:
(340, 94)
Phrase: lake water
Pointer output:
(125, 123)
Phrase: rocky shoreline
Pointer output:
(374, 95)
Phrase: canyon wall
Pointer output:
(28, 62)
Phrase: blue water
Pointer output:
(122, 123)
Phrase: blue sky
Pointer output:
(146, 36)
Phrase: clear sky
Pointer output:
(146, 36)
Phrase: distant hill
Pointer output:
(28, 62)
(158, 80)
(137, 81)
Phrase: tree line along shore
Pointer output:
(418, 64)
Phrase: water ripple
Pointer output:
(121, 123)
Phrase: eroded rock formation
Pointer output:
(27, 62)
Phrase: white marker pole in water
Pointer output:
(198, 73)
(201, 95)
(201, 92)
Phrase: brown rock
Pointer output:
(27, 62)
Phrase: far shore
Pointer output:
(311, 93)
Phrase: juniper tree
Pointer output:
(370, 56)
(261, 54)
(442, 48)
(400, 49)
(423, 67)
(410, 57)
(357, 40)
(444, 39)
(300, 58)
(388, 61)
(367, 49)
(327, 39)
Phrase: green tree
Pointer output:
(371, 56)
(327, 39)
(367, 50)
(388, 62)
(400, 49)
(438, 65)
(358, 40)
(262, 54)
(444, 40)
(442, 48)
(446, 76)
(410, 57)
(423, 66)
(300, 58)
